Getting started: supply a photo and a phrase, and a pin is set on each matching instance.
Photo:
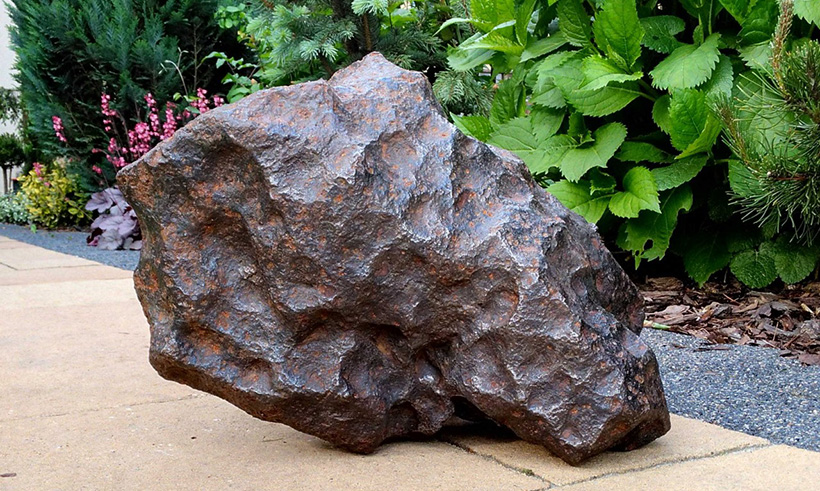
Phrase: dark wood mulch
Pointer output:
(786, 319)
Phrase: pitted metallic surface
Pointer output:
(337, 257)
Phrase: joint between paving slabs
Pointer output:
(96, 410)
(520, 470)
(730, 451)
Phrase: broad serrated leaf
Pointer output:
(599, 72)
(762, 115)
(706, 140)
(687, 66)
(548, 95)
(642, 152)
(660, 113)
(478, 127)
(575, 23)
(688, 114)
(656, 228)
(759, 25)
(552, 151)
(493, 12)
(523, 14)
(546, 122)
(577, 161)
(757, 56)
(496, 41)
(721, 82)
(618, 31)
(600, 182)
(705, 255)
(808, 10)
(546, 67)
(605, 100)
(793, 262)
(754, 268)
(640, 193)
(660, 32)
(508, 103)
(516, 135)
(540, 47)
(679, 172)
(743, 182)
(568, 76)
(576, 196)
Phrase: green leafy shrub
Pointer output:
(54, 199)
(311, 39)
(71, 52)
(609, 103)
(14, 209)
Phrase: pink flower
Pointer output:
(105, 99)
(38, 168)
(96, 169)
(218, 101)
(57, 124)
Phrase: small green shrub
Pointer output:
(54, 199)
(773, 128)
(14, 209)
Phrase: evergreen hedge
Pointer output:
(71, 51)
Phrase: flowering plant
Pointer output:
(116, 225)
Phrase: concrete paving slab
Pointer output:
(780, 468)
(81, 408)
(31, 257)
(65, 294)
(687, 439)
(77, 358)
(209, 444)
(9, 276)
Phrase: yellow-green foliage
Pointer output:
(54, 199)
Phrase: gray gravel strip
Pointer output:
(71, 243)
(743, 388)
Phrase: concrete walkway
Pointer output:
(81, 408)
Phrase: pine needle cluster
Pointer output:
(773, 128)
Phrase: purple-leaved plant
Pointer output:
(116, 227)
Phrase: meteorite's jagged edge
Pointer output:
(337, 257)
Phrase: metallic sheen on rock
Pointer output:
(337, 257)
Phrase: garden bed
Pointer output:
(786, 318)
